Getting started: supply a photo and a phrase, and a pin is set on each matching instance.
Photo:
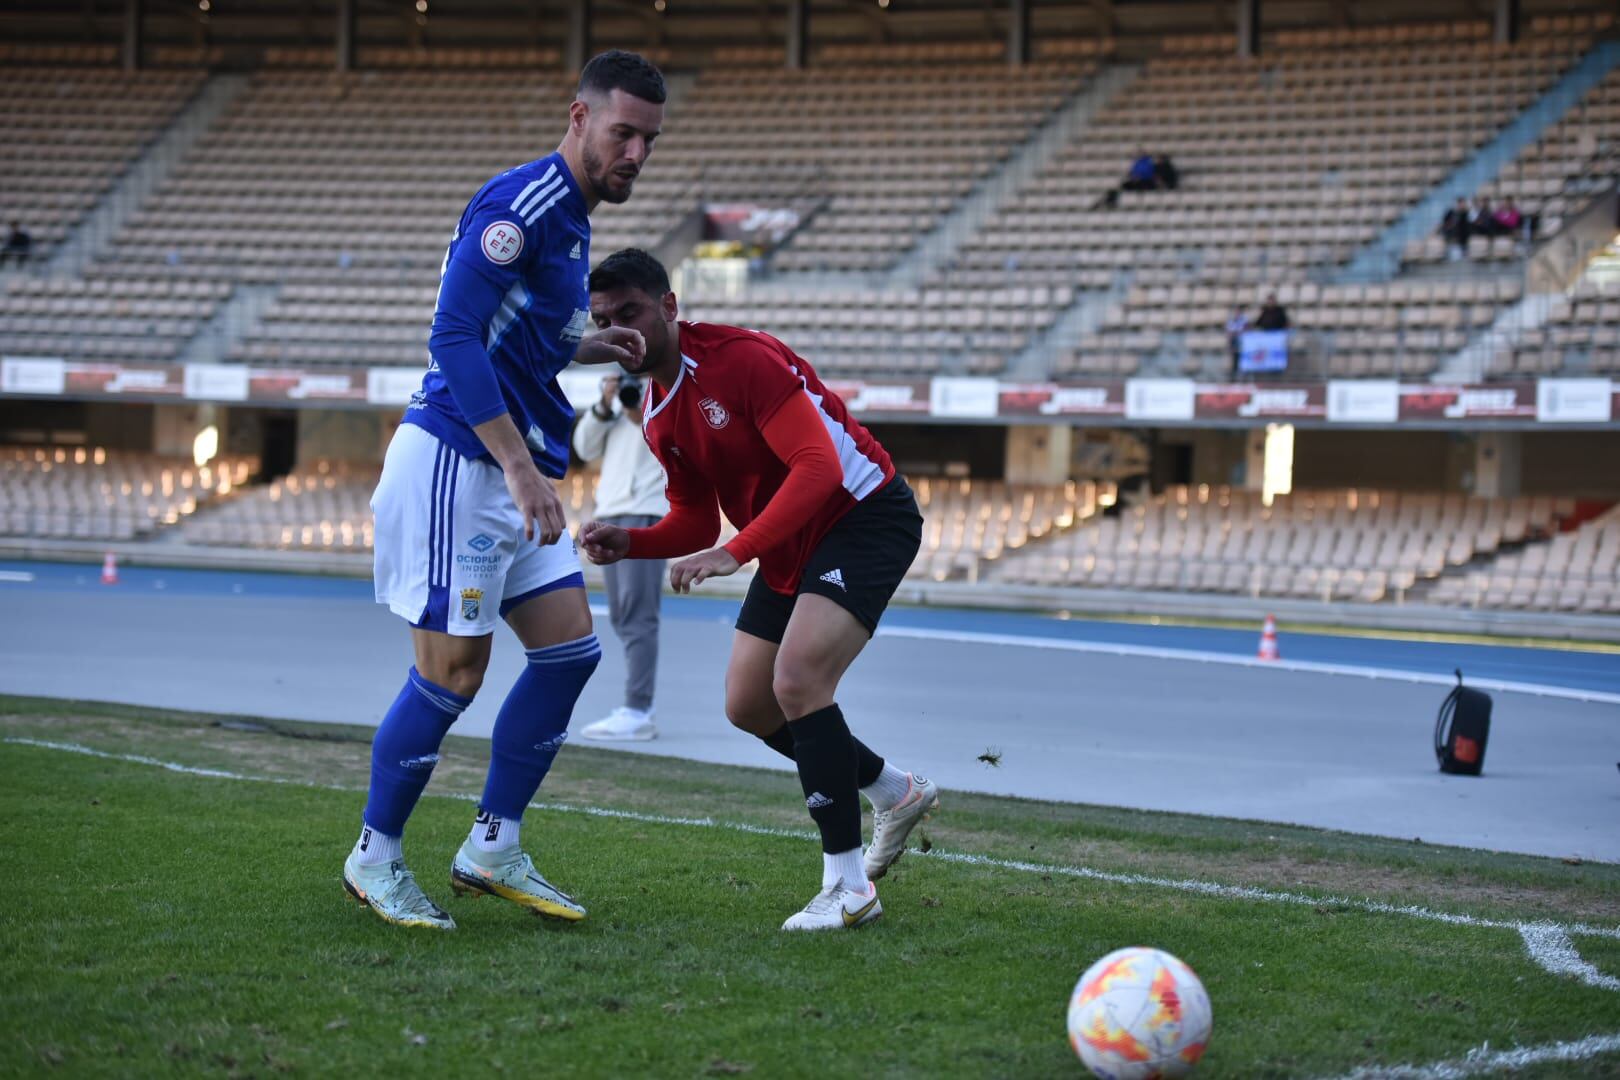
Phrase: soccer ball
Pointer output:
(1139, 1014)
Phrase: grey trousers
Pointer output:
(635, 589)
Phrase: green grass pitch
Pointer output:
(161, 922)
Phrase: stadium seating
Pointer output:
(397, 156)
(324, 505)
(1574, 571)
(128, 319)
(1280, 180)
(875, 147)
(1324, 545)
(1550, 178)
(895, 332)
(1278, 173)
(1582, 328)
(1404, 327)
(359, 264)
(70, 132)
(967, 521)
(89, 493)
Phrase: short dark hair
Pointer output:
(631, 268)
(617, 69)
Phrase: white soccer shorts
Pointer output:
(450, 552)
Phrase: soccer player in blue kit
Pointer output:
(469, 530)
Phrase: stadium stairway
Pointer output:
(1062, 128)
(1082, 317)
(234, 320)
(1381, 259)
(1510, 325)
(143, 177)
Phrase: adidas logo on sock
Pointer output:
(817, 801)
(834, 577)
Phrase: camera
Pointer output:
(630, 392)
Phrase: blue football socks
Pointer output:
(404, 752)
(533, 723)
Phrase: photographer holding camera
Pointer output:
(630, 494)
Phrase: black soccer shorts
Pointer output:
(858, 565)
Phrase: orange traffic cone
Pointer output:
(109, 569)
(1268, 639)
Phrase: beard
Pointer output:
(596, 175)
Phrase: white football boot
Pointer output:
(837, 908)
(891, 827)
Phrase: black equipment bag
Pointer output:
(1461, 729)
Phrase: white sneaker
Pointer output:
(623, 724)
(837, 908)
(891, 827)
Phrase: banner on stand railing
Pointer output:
(1574, 401)
(216, 382)
(32, 375)
(1147, 400)
(279, 384)
(1050, 399)
(1496, 401)
(899, 395)
(126, 380)
(1160, 399)
(1363, 401)
(1245, 401)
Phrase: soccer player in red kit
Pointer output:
(742, 424)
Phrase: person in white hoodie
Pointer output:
(630, 495)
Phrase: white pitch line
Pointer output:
(1201, 656)
(1187, 885)
(1548, 943)
(1552, 949)
(1249, 892)
(1481, 1060)
(20, 577)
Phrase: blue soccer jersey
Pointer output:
(513, 305)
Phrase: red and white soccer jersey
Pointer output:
(707, 433)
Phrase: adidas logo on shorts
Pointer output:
(817, 801)
(834, 577)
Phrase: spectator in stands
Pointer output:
(631, 496)
(1454, 228)
(1508, 219)
(1165, 172)
(1235, 326)
(1273, 316)
(1481, 220)
(18, 244)
(1141, 176)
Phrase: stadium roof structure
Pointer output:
(236, 32)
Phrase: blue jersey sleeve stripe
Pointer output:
(552, 191)
(531, 186)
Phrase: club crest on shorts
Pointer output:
(471, 600)
(715, 413)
